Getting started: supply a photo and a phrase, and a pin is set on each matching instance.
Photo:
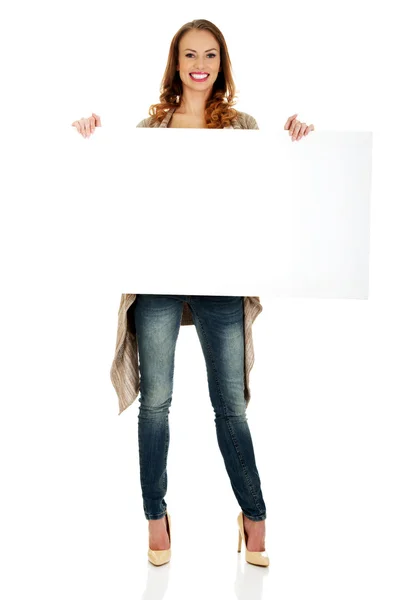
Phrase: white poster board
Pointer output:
(226, 212)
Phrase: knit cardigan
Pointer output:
(125, 373)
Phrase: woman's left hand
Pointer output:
(297, 129)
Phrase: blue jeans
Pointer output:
(219, 324)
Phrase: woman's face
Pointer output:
(199, 52)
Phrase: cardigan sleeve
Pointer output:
(251, 122)
(143, 123)
(246, 121)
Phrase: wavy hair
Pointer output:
(218, 112)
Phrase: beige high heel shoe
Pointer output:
(160, 557)
(254, 558)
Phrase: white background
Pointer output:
(325, 389)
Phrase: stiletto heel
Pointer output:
(160, 557)
(240, 542)
(254, 558)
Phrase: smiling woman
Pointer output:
(198, 91)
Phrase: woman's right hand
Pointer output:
(86, 126)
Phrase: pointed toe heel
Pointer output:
(161, 557)
(254, 558)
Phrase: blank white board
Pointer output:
(225, 212)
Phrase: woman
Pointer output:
(197, 91)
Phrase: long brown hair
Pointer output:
(219, 112)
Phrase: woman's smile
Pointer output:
(199, 77)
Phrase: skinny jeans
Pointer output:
(219, 322)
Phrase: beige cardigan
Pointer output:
(125, 374)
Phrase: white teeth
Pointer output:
(198, 76)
